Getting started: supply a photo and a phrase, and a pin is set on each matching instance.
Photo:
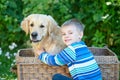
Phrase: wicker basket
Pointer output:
(30, 68)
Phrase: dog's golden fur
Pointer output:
(44, 32)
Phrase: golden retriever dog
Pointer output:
(44, 32)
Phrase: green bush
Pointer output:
(101, 18)
(11, 36)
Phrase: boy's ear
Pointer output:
(81, 35)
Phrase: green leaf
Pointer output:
(97, 17)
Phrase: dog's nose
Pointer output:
(34, 34)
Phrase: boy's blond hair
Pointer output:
(79, 26)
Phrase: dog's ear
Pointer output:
(25, 25)
(52, 25)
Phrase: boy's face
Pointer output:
(70, 34)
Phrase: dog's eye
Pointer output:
(41, 26)
(31, 25)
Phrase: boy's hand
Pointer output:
(39, 51)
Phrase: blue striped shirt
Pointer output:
(79, 59)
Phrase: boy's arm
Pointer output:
(64, 57)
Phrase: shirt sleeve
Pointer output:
(66, 56)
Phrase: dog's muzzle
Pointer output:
(34, 36)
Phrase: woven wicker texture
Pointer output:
(39, 71)
(30, 68)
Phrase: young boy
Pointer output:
(77, 56)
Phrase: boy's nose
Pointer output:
(66, 36)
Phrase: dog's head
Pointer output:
(38, 26)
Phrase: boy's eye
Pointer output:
(70, 33)
(63, 33)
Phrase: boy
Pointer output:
(77, 56)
